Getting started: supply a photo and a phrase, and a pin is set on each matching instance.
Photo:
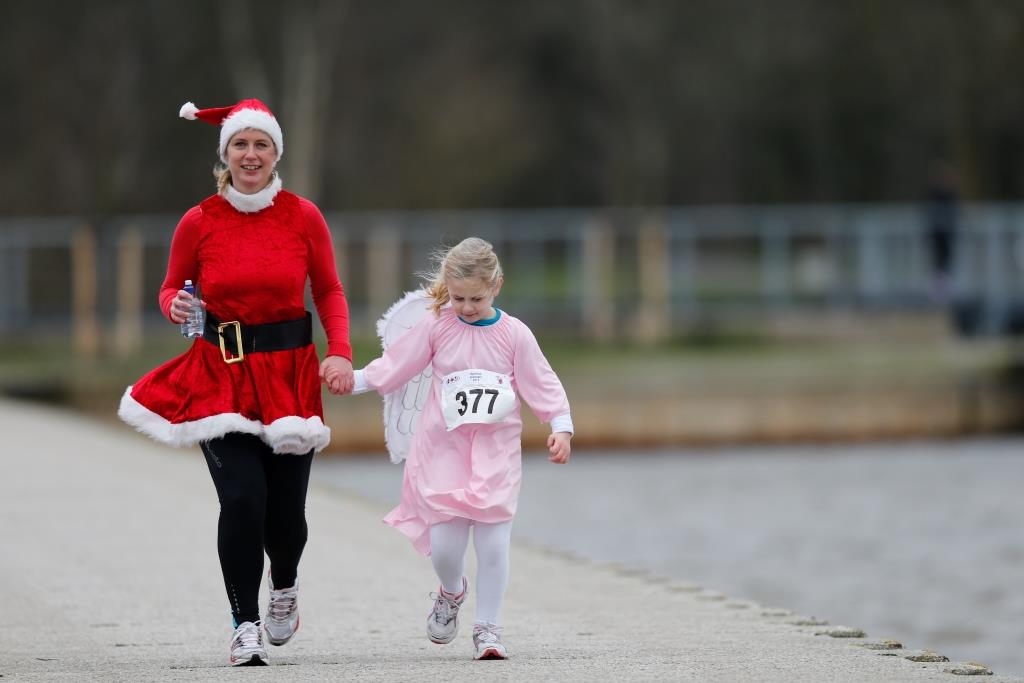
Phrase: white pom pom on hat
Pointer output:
(188, 111)
(250, 113)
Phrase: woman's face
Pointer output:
(251, 158)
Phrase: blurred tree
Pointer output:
(461, 103)
(304, 69)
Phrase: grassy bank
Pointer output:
(635, 378)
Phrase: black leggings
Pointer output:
(262, 507)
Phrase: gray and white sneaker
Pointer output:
(443, 622)
(487, 641)
(282, 619)
(247, 646)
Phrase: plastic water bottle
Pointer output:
(193, 327)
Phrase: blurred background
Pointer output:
(732, 224)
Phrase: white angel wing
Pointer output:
(402, 407)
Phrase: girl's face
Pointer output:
(472, 298)
(251, 157)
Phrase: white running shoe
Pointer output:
(247, 646)
(443, 622)
(282, 619)
(487, 641)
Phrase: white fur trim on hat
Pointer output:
(250, 118)
(188, 111)
(290, 435)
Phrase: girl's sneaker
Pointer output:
(487, 641)
(247, 646)
(282, 613)
(443, 622)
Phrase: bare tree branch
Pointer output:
(310, 45)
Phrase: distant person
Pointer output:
(941, 216)
(464, 465)
(255, 408)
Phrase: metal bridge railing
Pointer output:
(594, 273)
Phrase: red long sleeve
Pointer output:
(182, 264)
(253, 267)
(328, 294)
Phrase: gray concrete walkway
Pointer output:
(108, 571)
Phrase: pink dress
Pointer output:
(473, 471)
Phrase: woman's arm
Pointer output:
(328, 295)
(183, 263)
(329, 300)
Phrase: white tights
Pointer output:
(448, 542)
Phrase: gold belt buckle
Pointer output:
(238, 342)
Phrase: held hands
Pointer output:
(336, 373)
(181, 305)
(558, 445)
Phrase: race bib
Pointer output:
(476, 397)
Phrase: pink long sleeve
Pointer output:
(403, 360)
(536, 382)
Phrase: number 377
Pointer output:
(463, 400)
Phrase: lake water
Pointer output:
(920, 542)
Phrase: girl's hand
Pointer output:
(336, 373)
(181, 305)
(558, 445)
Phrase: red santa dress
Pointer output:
(251, 256)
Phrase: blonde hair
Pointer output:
(223, 175)
(470, 258)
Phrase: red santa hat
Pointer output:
(249, 113)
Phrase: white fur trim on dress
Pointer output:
(250, 118)
(291, 435)
(188, 111)
(251, 203)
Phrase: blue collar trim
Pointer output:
(485, 323)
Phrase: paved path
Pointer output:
(108, 571)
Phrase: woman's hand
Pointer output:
(336, 373)
(558, 446)
(181, 305)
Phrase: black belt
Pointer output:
(287, 334)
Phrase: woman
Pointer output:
(248, 391)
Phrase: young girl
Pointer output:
(464, 467)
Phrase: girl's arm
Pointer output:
(540, 387)
(402, 361)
